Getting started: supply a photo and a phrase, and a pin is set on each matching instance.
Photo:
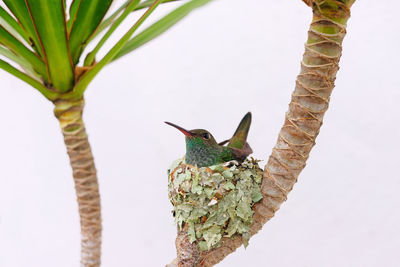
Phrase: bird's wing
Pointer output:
(241, 154)
(224, 142)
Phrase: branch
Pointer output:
(308, 105)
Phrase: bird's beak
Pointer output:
(184, 131)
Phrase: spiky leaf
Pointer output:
(160, 26)
(48, 17)
(19, 49)
(11, 25)
(88, 17)
(21, 12)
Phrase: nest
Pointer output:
(216, 201)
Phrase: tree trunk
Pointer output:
(69, 114)
(309, 102)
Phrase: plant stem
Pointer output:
(69, 114)
(308, 105)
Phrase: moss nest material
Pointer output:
(216, 201)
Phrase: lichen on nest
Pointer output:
(214, 201)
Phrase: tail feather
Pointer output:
(239, 138)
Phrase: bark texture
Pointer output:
(303, 120)
(69, 114)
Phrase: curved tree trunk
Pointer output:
(69, 114)
(310, 100)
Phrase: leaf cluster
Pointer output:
(42, 42)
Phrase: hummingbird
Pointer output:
(202, 150)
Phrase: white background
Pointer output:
(223, 60)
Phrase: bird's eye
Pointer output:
(206, 136)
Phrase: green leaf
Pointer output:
(49, 18)
(256, 195)
(110, 19)
(212, 236)
(148, 3)
(203, 246)
(107, 22)
(19, 49)
(89, 75)
(31, 81)
(227, 174)
(92, 55)
(229, 186)
(72, 13)
(191, 232)
(11, 25)
(20, 61)
(88, 17)
(21, 12)
(15, 58)
(243, 210)
(160, 26)
(245, 238)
